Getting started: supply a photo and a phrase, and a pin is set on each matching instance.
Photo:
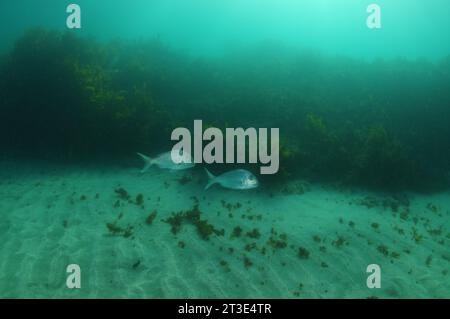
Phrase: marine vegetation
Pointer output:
(150, 218)
(193, 217)
(378, 124)
(117, 230)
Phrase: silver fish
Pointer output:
(165, 161)
(236, 179)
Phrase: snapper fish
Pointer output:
(237, 179)
(181, 161)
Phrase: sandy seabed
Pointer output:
(308, 241)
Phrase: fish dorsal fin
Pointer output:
(212, 179)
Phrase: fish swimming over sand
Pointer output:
(165, 161)
(236, 179)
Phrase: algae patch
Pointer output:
(193, 217)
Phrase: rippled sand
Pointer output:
(313, 242)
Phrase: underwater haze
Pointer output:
(87, 181)
(410, 28)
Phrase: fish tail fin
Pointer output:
(147, 162)
(211, 179)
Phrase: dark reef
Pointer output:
(381, 124)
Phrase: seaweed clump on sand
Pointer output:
(255, 234)
(393, 203)
(193, 217)
(279, 242)
(230, 206)
(175, 222)
(296, 187)
(122, 193)
(139, 200)
(185, 179)
(432, 207)
(225, 265)
(303, 253)
(116, 230)
(237, 232)
(339, 242)
(150, 218)
(136, 264)
(247, 262)
(383, 249)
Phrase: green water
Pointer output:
(409, 28)
(364, 171)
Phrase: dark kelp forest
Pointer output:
(380, 124)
